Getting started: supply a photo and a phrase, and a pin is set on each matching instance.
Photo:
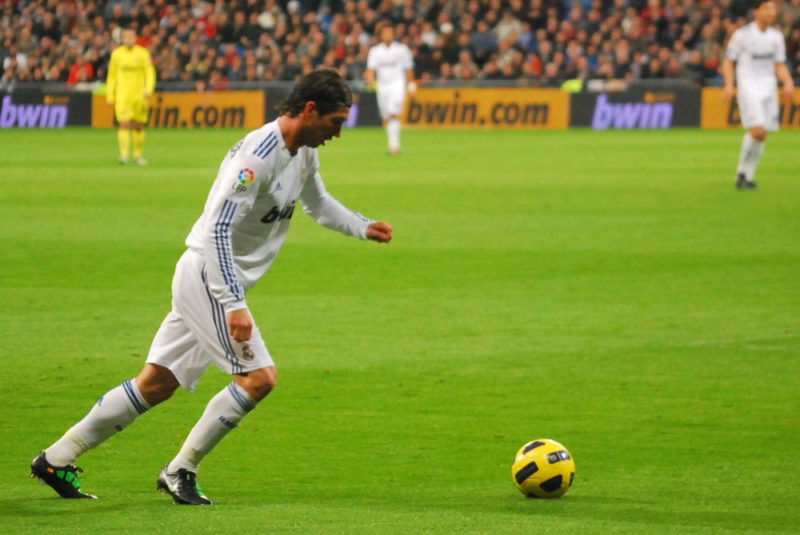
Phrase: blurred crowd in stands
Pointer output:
(210, 43)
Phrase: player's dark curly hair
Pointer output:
(325, 87)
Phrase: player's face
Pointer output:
(128, 38)
(321, 128)
(387, 35)
(766, 13)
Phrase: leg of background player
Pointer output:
(752, 149)
(138, 142)
(393, 133)
(124, 140)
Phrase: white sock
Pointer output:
(393, 133)
(750, 156)
(223, 413)
(112, 413)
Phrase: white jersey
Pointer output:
(390, 63)
(248, 211)
(756, 53)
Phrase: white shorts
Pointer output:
(758, 109)
(390, 100)
(195, 332)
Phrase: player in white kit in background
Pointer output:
(244, 222)
(391, 67)
(759, 51)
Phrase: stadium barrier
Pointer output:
(471, 107)
(716, 113)
(635, 106)
(224, 109)
(35, 108)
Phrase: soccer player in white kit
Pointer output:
(391, 67)
(243, 225)
(760, 55)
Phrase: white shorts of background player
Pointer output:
(390, 99)
(758, 108)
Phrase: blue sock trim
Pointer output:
(241, 397)
(134, 396)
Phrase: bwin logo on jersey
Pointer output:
(275, 214)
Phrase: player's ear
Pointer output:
(310, 108)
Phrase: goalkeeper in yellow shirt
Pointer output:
(131, 81)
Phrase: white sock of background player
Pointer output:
(393, 133)
(223, 413)
(750, 156)
(112, 413)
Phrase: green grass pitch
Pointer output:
(610, 290)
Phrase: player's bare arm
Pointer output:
(782, 72)
(369, 77)
(412, 85)
(728, 89)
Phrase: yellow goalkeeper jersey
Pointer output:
(130, 73)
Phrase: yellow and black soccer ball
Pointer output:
(543, 469)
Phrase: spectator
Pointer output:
(8, 79)
(653, 69)
(270, 16)
(674, 69)
(48, 28)
(57, 72)
(81, 71)
(446, 72)
(491, 71)
(551, 76)
(581, 70)
(504, 38)
(483, 42)
(465, 68)
(15, 59)
(622, 61)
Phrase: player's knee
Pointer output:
(258, 383)
(758, 133)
